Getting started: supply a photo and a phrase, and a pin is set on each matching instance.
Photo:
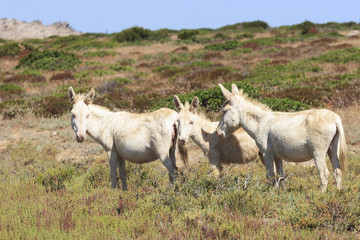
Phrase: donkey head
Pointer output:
(80, 112)
(230, 116)
(185, 118)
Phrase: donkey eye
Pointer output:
(74, 115)
(191, 122)
(87, 116)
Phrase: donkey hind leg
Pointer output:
(113, 158)
(122, 172)
(320, 164)
(333, 153)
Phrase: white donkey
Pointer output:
(138, 138)
(238, 148)
(292, 136)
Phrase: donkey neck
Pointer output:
(251, 118)
(202, 133)
(98, 122)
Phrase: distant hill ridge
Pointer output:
(12, 29)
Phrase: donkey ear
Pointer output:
(177, 104)
(194, 104)
(71, 95)
(90, 97)
(225, 92)
(234, 89)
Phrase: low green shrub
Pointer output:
(284, 104)
(221, 35)
(187, 34)
(351, 54)
(304, 27)
(62, 76)
(210, 99)
(229, 45)
(201, 64)
(54, 179)
(13, 49)
(49, 60)
(11, 88)
(244, 35)
(160, 35)
(52, 106)
(133, 34)
(97, 176)
(255, 24)
(13, 108)
(21, 78)
(98, 54)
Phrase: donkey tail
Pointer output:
(342, 145)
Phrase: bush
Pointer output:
(21, 78)
(62, 76)
(187, 34)
(52, 106)
(160, 35)
(96, 176)
(284, 104)
(255, 24)
(99, 54)
(13, 49)
(13, 108)
(49, 60)
(132, 35)
(244, 35)
(11, 88)
(54, 179)
(210, 99)
(304, 27)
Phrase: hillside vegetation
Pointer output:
(53, 187)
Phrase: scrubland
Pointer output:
(53, 187)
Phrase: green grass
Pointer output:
(43, 198)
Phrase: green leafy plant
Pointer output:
(229, 45)
(49, 60)
(187, 34)
(13, 49)
(54, 179)
(132, 35)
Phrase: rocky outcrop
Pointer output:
(12, 29)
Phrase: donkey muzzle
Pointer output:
(80, 138)
(183, 141)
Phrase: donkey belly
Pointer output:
(136, 153)
(294, 153)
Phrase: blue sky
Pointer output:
(109, 16)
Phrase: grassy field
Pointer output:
(55, 188)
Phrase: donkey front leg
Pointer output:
(122, 172)
(113, 159)
(215, 163)
(269, 163)
(170, 166)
